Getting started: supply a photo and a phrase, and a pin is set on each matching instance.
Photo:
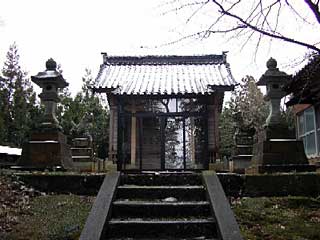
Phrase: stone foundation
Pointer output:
(279, 155)
(239, 163)
(46, 149)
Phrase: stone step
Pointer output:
(81, 142)
(244, 145)
(81, 151)
(245, 158)
(162, 178)
(123, 208)
(161, 228)
(243, 151)
(81, 157)
(167, 238)
(181, 193)
(82, 148)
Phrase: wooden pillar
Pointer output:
(140, 123)
(184, 143)
(133, 134)
(212, 129)
(120, 136)
(192, 137)
(205, 161)
(192, 141)
(216, 135)
(162, 142)
(217, 103)
(112, 130)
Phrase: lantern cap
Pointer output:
(50, 76)
(273, 74)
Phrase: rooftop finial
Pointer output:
(51, 64)
(271, 63)
(224, 56)
(105, 57)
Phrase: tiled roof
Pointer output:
(164, 75)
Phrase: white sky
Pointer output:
(75, 32)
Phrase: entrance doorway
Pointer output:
(173, 142)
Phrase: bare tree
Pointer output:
(252, 20)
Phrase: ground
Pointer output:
(278, 218)
(28, 214)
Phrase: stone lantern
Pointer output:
(277, 150)
(50, 81)
(274, 80)
(47, 147)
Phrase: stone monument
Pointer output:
(82, 152)
(277, 150)
(243, 139)
(47, 147)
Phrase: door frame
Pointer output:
(162, 116)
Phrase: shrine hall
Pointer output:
(164, 110)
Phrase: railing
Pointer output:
(227, 225)
(95, 226)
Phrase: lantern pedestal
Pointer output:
(47, 149)
(279, 155)
(277, 132)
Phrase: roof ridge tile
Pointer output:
(165, 60)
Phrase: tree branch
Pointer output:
(264, 32)
(314, 8)
(196, 11)
(296, 12)
(186, 5)
(201, 35)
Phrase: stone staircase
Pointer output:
(161, 206)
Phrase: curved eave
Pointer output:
(214, 89)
